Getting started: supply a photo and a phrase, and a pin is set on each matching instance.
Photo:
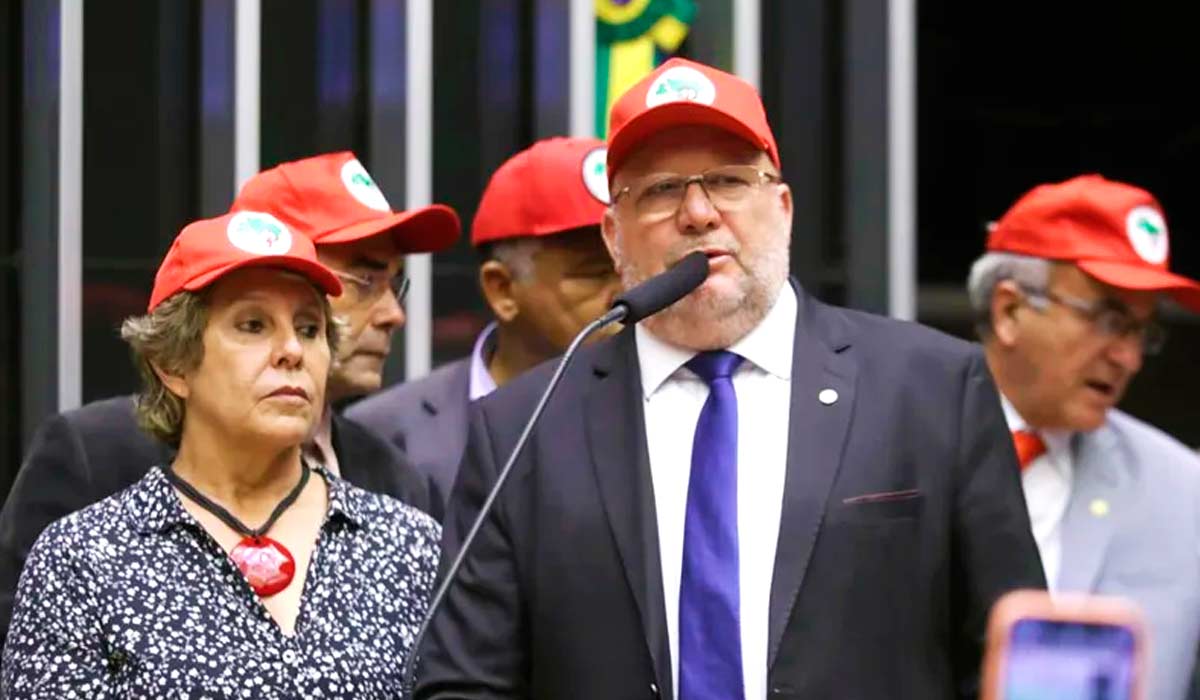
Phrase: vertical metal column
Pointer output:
(902, 159)
(51, 205)
(747, 40)
(418, 181)
(247, 80)
(582, 67)
(70, 207)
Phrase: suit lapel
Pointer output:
(445, 406)
(1089, 523)
(617, 443)
(816, 439)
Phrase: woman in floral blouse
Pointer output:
(237, 571)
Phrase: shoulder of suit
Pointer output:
(527, 388)
(386, 403)
(872, 332)
(113, 424)
(1152, 444)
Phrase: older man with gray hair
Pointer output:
(1066, 298)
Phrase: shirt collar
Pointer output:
(1057, 441)
(153, 505)
(767, 346)
(482, 383)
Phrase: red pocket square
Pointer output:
(882, 497)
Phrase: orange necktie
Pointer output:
(1029, 447)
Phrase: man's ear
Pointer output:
(608, 233)
(496, 281)
(175, 383)
(1007, 298)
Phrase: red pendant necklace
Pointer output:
(267, 565)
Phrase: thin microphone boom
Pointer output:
(646, 299)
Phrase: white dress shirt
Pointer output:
(482, 383)
(673, 398)
(1047, 485)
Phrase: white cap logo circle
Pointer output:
(1147, 232)
(258, 233)
(595, 173)
(359, 183)
(681, 84)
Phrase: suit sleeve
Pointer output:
(54, 480)
(994, 550)
(477, 645)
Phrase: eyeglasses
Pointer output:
(1110, 318)
(371, 286)
(728, 187)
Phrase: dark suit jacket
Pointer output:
(82, 456)
(903, 520)
(426, 418)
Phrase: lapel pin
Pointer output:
(828, 396)
(1098, 507)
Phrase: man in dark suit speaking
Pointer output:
(750, 494)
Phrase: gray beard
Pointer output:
(708, 320)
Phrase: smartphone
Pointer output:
(1065, 647)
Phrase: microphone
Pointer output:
(643, 300)
(662, 290)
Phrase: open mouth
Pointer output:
(1105, 389)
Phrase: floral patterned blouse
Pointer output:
(131, 598)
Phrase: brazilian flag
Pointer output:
(632, 38)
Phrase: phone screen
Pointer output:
(1055, 660)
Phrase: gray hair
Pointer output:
(517, 255)
(993, 268)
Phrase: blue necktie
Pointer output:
(710, 637)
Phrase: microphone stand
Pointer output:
(614, 315)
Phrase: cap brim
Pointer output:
(426, 230)
(1141, 278)
(674, 114)
(315, 272)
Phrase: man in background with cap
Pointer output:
(748, 494)
(81, 456)
(545, 274)
(1066, 297)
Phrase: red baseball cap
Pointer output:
(1113, 231)
(331, 198)
(207, 249)
(555, 185)
(682, 92)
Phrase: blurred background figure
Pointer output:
(241, 563)
(1067, 297)
(84, 455)
(544, 273)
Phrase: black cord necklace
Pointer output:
(267, 565)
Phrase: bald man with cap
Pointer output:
(545, 274)
(84, 455)
(1067, 296)
(750, 494)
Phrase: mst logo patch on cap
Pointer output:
(258, 233)
(595, 173)
(1147, 232)
(681, 84)
(360, 184)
